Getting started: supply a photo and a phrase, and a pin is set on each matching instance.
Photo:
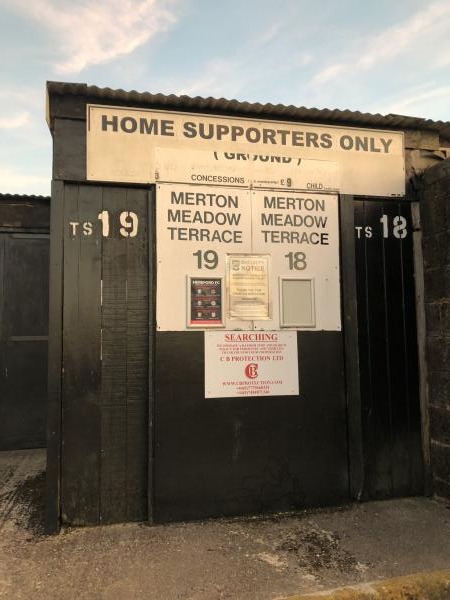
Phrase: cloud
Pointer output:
(90, 32)
(22, 116)
(22, 95)
(419, 100)
(216, 79)
(14, 122)
(269, 34)
(231, 75)
(419, 33)
(329, 73)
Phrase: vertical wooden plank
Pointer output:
(378, 337)
(151, 224)
(421, 343)
(125, 359)
(413, 432)
(364, 346)
(2, 293)
(53, 471)
(114, 441)
(81, 349)
(137, 357)
(393, 231)
(372, 338)
(350, 326)
(2, 312)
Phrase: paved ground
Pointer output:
(239, 559)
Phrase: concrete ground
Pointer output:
(263, 558)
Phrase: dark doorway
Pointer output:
(389, 379)
(24, 269)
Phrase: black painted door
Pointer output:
(106, 322)
(24, 266)
(389, 376)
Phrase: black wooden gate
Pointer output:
(389, 379)
(24, 269)
(101, 267)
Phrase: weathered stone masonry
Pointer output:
(435, 220)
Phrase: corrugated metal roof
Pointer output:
(23, 198)
(264, 111)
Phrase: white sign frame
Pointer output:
(208, 167)
(307, 325)
(123, 143)
(254, 215)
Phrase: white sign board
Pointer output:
(251, 170)
(301, 233)
(250, 364)
(202, 229)
(196, 228)
(130, 145)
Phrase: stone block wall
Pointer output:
(435, 222)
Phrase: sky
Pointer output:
(377, 57)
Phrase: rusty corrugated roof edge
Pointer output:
(222, 105)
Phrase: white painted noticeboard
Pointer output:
(201, 230)
(274, 171)
(126, 144)
(196, 228)
(246, 363)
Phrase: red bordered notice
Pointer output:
(251, 363)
